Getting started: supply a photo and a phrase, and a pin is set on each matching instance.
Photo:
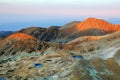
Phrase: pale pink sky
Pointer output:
(62, 11)
(107, 10)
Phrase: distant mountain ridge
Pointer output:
(5, 33)
(98, 24)
(70, 24)
(72, 30)
(34, 36)
(43, 34)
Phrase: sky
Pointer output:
(18, 14)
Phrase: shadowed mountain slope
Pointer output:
(43, 34)
(69, 25)
(72, 30)
(89, 27)
(85, 58)
(1, 38)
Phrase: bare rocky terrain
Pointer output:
(75, 51)
(72, 30)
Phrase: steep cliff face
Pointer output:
(20, 42)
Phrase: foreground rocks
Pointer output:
(59, 67)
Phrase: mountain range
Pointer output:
(72, 30)
(5, 33)
(79, 50)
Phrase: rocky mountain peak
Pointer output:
(98, 24)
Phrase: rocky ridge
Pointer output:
(73, 30)
(25, 55)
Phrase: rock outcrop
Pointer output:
(59, 67)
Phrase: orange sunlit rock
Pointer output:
(94, 38)
(20, 42)
(98, 24)
(20, 36)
